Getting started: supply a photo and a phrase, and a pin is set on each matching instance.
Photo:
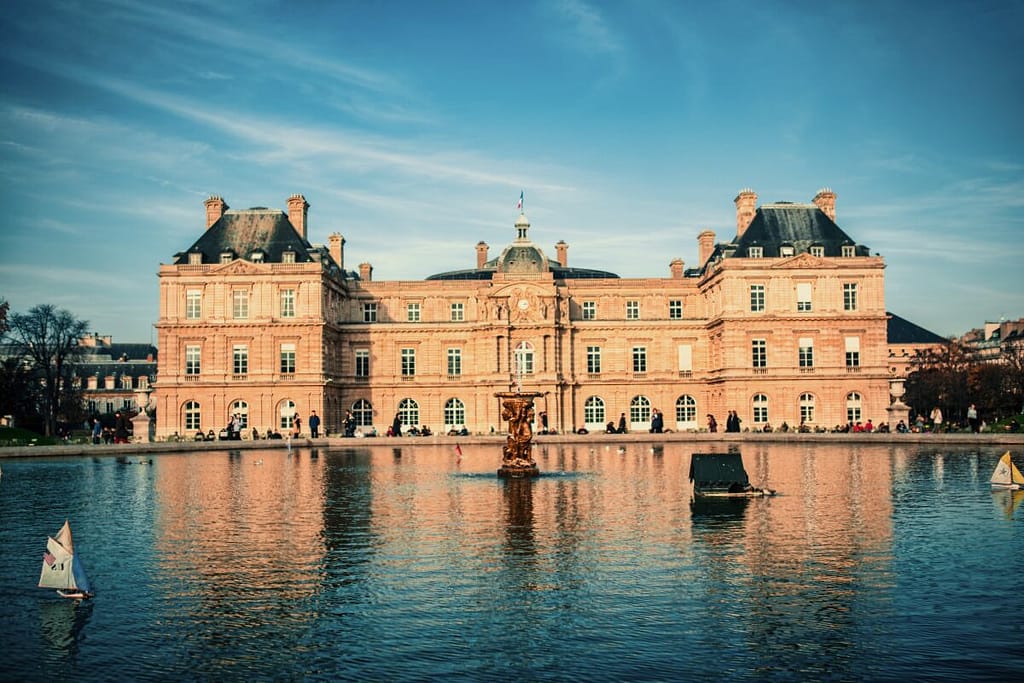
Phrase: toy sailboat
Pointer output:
(1006, 475)
(62, 569)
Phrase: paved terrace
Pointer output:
(697, 441)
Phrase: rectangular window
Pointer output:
(803, 296)
(240, 359)
(288, 257)
(755, 252)
(759, 353)
(632, 310)
(594, 360)
(675, 309)
(818, 251)
(639, 359)
(370, 313)
(287, 359)
(454, 362)
(412, 312)
(848, 251)
(458, 312)
(590, 310)
(853, 352)
(192, 360)
(193, 304)
(225, 257)
(126, 382)
(685, 359)
(408, 362)
(195, 259)
(850, 296)
(806, 353)
(362, 362)
(786, 251)
(287, 303)
(756, 298)
(240, 304)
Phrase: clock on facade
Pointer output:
(523, 304)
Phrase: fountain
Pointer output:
(516, 460)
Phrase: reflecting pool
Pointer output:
(874, 562)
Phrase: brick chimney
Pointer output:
(705, 245)
(826, 201)
(297, 211)
(336, 247)
(562, 251)
(215, 208)
(365, 272)
(481, 254)
(676, 268)
(746, 206)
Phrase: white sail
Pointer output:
(1006, 474)
(61, 568)
(56, 572)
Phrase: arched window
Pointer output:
(806, 408)
(760, 404)
(853, 407)
(524, 358)
(409, 411)
(686, 412)
(454, 413)
(362, 411)
(241, 409)
(639, 411)
(593, 412)
(193, 416)
(286, 414)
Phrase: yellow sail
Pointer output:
(1006, 474)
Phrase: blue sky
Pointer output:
(411, 127)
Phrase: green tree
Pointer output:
(49, 341)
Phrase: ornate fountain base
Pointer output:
(518, 471)
(516, 461)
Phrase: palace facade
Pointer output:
(784, 323)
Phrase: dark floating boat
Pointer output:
(722, 475)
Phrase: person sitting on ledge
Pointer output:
(425, 431)
(200, 436)
(610, 429)
(210, 436)
(767, 427)
(582, 430)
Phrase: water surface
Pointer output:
(875, 562)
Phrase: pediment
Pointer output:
(804, 261)
(240, 267)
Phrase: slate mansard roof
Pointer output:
(242, 233)
(902, 331)
(800, 226)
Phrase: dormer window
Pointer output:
(288, 256)
(195, 259)
(755, 252)
(257, 256)
(226, 257)
(848, 251)
(817, 250)
(787, 250)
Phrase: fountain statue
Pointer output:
(516, 460)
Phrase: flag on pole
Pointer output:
(519, 204)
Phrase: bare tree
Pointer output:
(49, 339)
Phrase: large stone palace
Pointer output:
(784, 323)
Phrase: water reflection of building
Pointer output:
(230, 527)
